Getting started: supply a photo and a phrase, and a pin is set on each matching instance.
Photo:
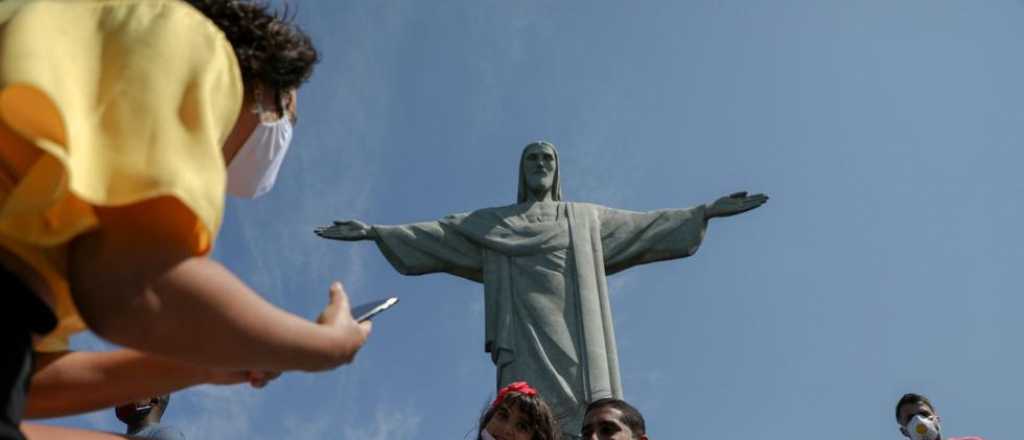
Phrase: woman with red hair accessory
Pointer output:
(518, 413)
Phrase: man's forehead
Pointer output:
(909, 409)
(604, 414)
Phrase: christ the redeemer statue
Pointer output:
(543, 264)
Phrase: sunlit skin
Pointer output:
(606, 424)
(539, 166)
(197, 296)
(909, 410)
(509, 424)
(177, 287)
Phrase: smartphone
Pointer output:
(364, 312)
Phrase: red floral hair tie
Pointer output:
(520, 387)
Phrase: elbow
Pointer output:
(116, 316)
(99, 317)
(111, 285)
(106, 327)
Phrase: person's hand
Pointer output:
(256, 379)
(347, 230)
(260, 379)
(733, 204)
(338, 316)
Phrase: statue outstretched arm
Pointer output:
(347, 230)
(732, 204)
(415, 248)
(634, 238)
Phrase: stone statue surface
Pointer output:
(543, 263)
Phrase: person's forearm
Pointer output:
(35, 431)
(192, 309)
(75, 382)
(199, 312)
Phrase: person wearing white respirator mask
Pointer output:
(921, 427)
(113, 196)
(918, 420)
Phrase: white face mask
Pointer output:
(486, 435)
(255, 167)
(922, 428)
(253, 170)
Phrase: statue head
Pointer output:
(538, 172)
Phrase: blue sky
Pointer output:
(888, 135)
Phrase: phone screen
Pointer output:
(364, 312)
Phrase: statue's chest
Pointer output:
(540, 214)
(541, 229)
(543, 220)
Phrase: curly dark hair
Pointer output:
(538, 415)
(270, 47)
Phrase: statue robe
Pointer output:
(543, 266)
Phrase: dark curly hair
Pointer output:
(538, 415)
(270, 48)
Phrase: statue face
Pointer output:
(539, 167)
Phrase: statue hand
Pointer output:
(347, 230)
(733, 204)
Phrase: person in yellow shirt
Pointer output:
(122, 125)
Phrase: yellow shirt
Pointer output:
(109, 104)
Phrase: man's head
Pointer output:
(613, 419)
(912, 405)
(538, 172)
(143, 411)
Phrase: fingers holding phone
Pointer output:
(337, 315)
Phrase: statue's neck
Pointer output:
(544, 196)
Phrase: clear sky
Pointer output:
(889, 259)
